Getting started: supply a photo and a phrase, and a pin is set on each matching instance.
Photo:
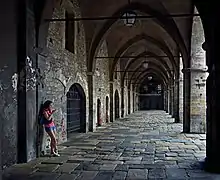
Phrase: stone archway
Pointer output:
(76, 110)
(116, 105)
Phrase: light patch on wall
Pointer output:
(14, 80)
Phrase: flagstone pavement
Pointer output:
(144, 145)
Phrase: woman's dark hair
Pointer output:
(47, 104)
(42, 107)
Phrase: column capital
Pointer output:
(90, 73)
(42, 51)
(178, 80)
(188, 70)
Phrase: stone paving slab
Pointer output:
(144, 145)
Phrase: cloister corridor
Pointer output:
(143, 145)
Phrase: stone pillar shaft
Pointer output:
(171, 100)
(129, 101)
(198, 102)
(122, 102)
(186, 102)
(166, 100)
(198, 78)
(176, 101)
(111, 102)
(90, 92)
(181, 99)
(213, 123)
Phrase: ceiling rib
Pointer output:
(120, 57)
(121, 17)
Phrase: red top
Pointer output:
(49, 113)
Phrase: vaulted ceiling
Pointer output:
(160, 36)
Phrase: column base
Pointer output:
(177, 119)
(198, 128)
(212, 165)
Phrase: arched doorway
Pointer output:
(116, 104)
(76, 110)
(99, 121)
(107, 107)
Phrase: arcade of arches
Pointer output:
(97, 67)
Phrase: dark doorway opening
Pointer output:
(116, 104)
(76, 110)
(151, 93)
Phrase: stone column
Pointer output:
(180, 90)
(213, 124)
(133, 102)
(166, 100)
(176, 101)
(181, 98)
(92, 124)
(198, 101)
(186, 101)
(122, 101)
(173, 103)
(198, 78)
(137, 103)
(213, 95)
(129, 101)
(170, 100)
(111, 101)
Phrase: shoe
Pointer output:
(55, 155)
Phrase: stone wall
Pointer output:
(63, 68)
(8, 85)
(101, 80)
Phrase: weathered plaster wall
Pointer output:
(63, 68)
(101, 79)
(8, 85)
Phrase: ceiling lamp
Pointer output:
(129, 18)
(145, 64)
(149, 78)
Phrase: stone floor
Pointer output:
(144, 145)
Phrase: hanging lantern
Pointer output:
(150, 78)
(129, 18)
(145, 64)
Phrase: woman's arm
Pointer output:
(47, 117)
